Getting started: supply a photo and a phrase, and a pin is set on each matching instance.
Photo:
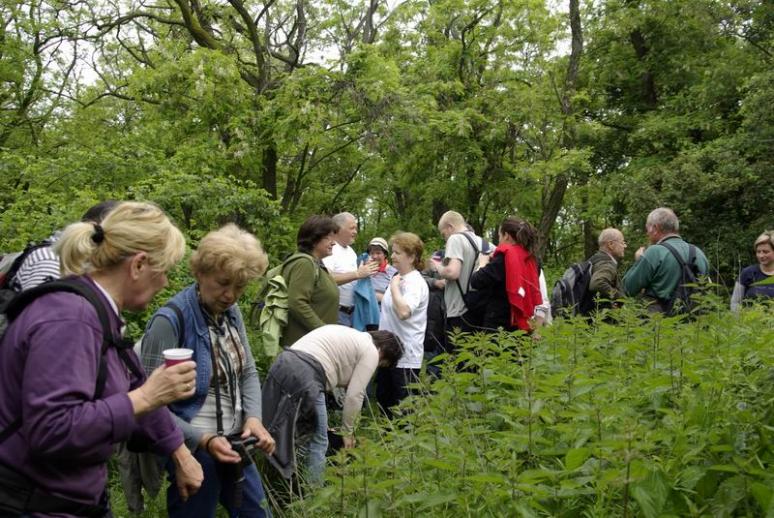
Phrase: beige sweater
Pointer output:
(349, 359)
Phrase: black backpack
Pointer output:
(681, 301)
(434, 330)
(571, 295)
(475, 301)
(12, 308)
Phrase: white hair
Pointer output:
(342, 218)
(664, 218)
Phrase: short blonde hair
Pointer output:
(231, 251)
(129, 228)
(411, 244)
(452, 218)
(765, 238)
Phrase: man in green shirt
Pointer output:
(656, 273)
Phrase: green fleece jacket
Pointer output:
(657, 272)
(312, 303)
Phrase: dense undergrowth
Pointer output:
(641, 416)
(644, 417)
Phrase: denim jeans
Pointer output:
(345, 319)
(318, 444)
(218, 486)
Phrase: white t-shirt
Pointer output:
(343, 260)
(412, 330)
(544, 309)
(458, 247)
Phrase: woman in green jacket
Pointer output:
(313, 297)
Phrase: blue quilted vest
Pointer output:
(197, 337)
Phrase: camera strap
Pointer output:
(216, 375)
(239, 479)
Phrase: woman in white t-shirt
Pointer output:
(403, 313)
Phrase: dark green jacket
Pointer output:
(312, 303)
(658, 273)
(604, 277)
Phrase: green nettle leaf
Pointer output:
(487, 478)
(437, 499)
(690, 476)
(439, 464)
(576, 457)
(762, 494)
(652, 493)
(730, 492)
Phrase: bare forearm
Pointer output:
(345, 277)
(399, 304)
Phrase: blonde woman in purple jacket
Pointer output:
(69, 390)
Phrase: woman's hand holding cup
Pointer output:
(166, 384)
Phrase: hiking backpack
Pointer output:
(475, 301)
(681, 301)
(571, 295)
(9, 266)
(13, 307)
(269, 310)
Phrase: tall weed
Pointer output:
(636, 417)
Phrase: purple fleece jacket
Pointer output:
(49, 359)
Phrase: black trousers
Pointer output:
(392, 386)
(455, 324)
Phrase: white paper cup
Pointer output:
(175, 356)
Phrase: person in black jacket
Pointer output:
(510, 279)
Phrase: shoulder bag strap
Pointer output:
(180, 324)
(302, 255)
(679, 260)
(676, 254)
(72, 286)
(218, 405)
(472, 266)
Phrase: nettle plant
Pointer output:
(623, 416)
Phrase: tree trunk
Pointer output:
(269, 170)
(551, 206)
(553, 201)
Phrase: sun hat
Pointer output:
(380, 242)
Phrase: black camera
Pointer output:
(245, 447)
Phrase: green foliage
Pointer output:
(448, 105)
(646, 417)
